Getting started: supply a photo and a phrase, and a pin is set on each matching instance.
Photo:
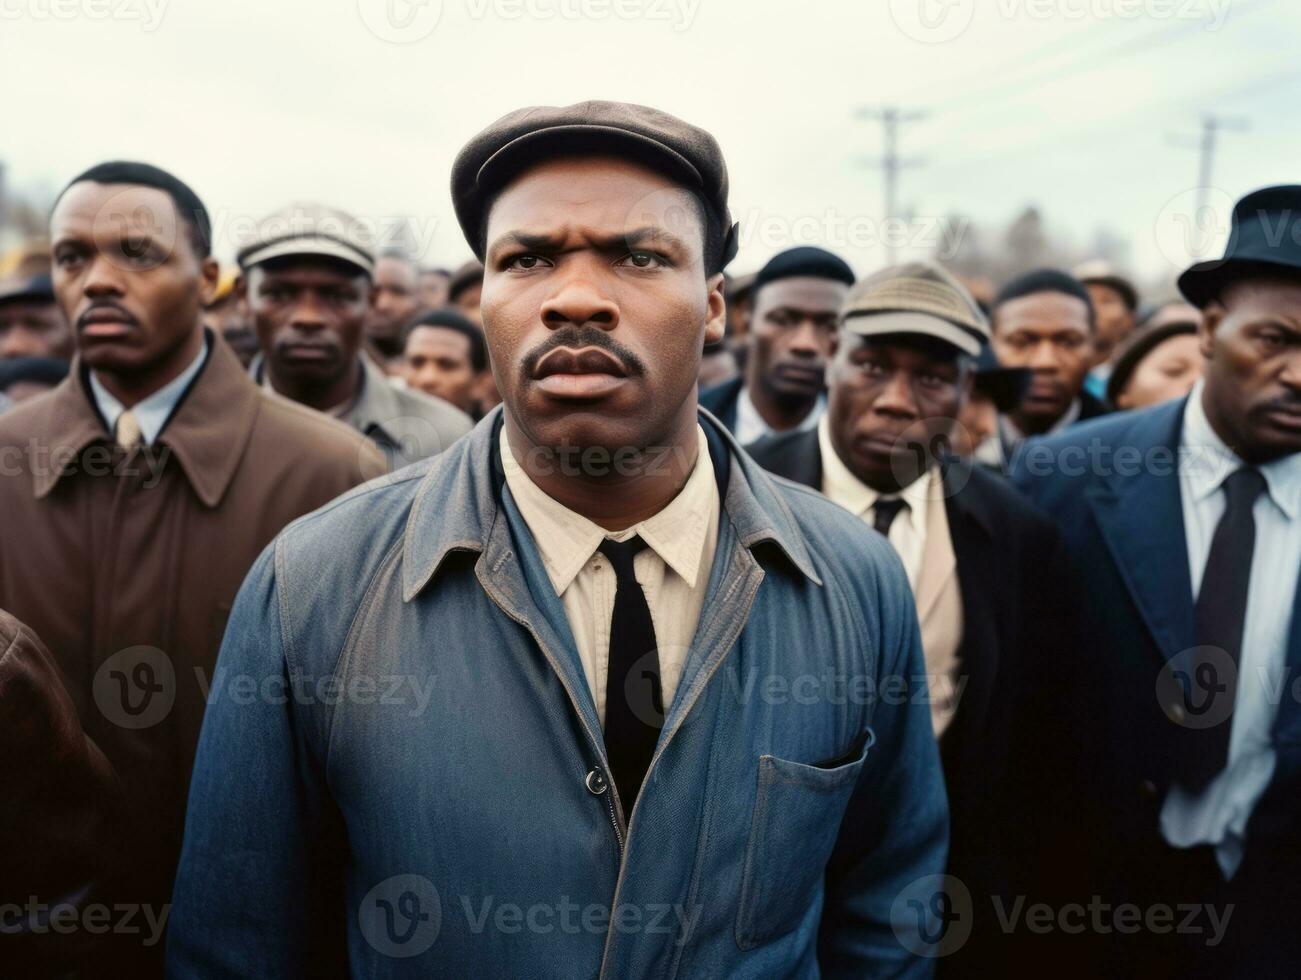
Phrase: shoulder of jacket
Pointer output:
(435, 409)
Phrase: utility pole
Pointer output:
(1206, 145)
(891, 163)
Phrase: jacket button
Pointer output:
(596, 783)
(1149, 790)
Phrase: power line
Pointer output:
(891, 163)
(1212, 126)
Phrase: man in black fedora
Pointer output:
(1185, 522)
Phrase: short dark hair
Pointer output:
(1044, 281)
(450, 318)
(187, 203)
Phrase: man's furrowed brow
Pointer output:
(533, 241)
(646, 236)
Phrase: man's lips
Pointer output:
(583, 360)
(582, 373)
(105, 322)
(306, 352)
(803, 373)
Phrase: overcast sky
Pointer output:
(1083, 107)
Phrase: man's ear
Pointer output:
(240, 289)
(715, 310)
(209, 276)
(1212, 316)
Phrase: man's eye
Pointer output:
(643, 260)
(527, 262)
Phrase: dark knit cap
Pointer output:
(806, 260)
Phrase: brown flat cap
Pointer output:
(527, 137)
(916, 297)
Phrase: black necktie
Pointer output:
(634, 704)
(1220, 616)
(885, 511)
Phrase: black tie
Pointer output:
(634, 703)
(1220, 616)
(885, 511)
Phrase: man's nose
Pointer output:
(804, 341)
(308, 314)
(579, 301)
(1044, 357)
(896, 398)
(103, 278)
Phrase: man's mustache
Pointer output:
(579, 337)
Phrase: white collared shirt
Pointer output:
(153, 412)
(907, 530)
(673, 570)
(750, 425)
(1219, 814)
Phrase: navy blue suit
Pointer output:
(1113, 487)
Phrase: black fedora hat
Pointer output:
(1005, 386)
(1265, 239)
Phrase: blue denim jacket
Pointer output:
(401, 772)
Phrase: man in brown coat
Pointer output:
(134, 498)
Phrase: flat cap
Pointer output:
(527, 137)
(309, 230)
(916, 297)
(28, 289)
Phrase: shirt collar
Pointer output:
(750, 424)
(841, 485)
(1205, 460)
(376, 404)
(152, 412)
(566, 539)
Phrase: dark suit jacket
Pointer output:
(1000, 751)
(1122, 517)
(720, 401)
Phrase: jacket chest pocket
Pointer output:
(797, 815)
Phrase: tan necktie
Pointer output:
(127, 432)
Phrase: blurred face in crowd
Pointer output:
(308, 312)
(397, 301)
(433, 288)
(33, 328)
(739, 309)
(1168, 371)
(439, 362)
(469, 300)
(1049, 333)
(132, 283)
(716, 366)
(1113, 318)
(893, 402)
(596, 304)
(792, 337)
(1252, 343)
(977, 421)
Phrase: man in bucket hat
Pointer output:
(1185, 520)
(570, 609)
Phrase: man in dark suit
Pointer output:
(984, 568)
(1044, 321)
(792, 335)
(1185, 522)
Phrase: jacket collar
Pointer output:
(208, 453)
(457, 503)
(377, 403)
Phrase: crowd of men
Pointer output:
(588, 610)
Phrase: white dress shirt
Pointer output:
(153, 412)
(1218, 815)
(908, 529)
(673, 570)
(750, 425)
